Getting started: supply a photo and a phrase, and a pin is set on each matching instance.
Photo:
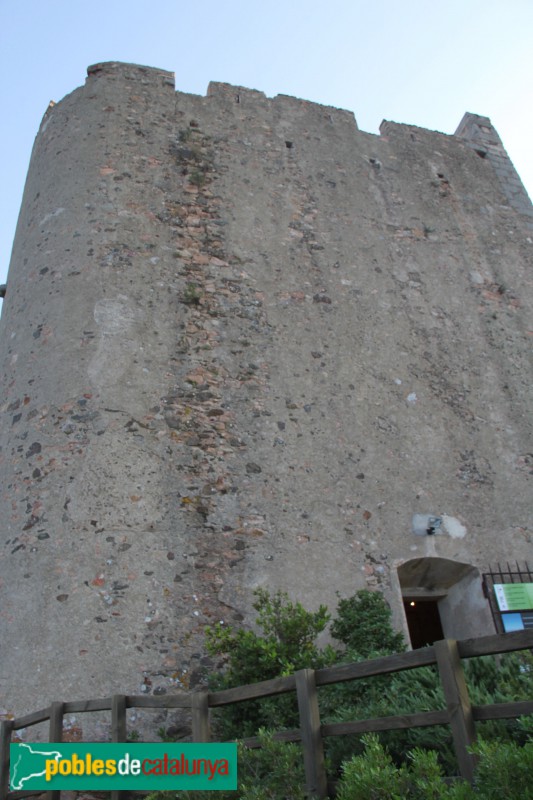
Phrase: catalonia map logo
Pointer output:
(104, 767)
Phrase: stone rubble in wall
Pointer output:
(198, 417)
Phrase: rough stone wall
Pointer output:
(243, 343)
(481, 136)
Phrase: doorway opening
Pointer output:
(423, 621)
(443, 599)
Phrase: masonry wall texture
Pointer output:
(242, 344)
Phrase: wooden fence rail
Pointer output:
(459, 714)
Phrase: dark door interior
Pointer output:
(423, 621)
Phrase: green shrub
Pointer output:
(192, 295)
(198, 177)
(273, 772)
(288, 639)
(372, 775)
(490, 680)
(382, 696)
(287, 644)
(363, 625)
(503, 771)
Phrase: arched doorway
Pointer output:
(443, 599)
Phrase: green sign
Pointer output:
(514, 596)
(104, 767)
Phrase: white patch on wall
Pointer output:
(51, 215)
(119, 341)
(433, 524)
(114, 317)
(453, 527)
(426, 524)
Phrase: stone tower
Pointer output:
(246, 344)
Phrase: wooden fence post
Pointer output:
(458, 704)
(118, 718)
(200, 717)
(56, 722)
(118, 731)
(315, 770)
(55, 735)
(6, 729)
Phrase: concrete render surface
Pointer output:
(245, 344)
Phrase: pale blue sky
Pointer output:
(423, 62)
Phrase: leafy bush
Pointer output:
(503, 771)
(363, 624)
(287, 643)
(274, 772)
(382, 696)
(490, 680)
(374, 776)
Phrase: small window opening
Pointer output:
(482, 153)
(237, 98)
(288, 145)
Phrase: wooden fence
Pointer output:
(459, 713)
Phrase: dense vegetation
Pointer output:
(275, 772)
(285, 640)
(396, 764)
(504, 771)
